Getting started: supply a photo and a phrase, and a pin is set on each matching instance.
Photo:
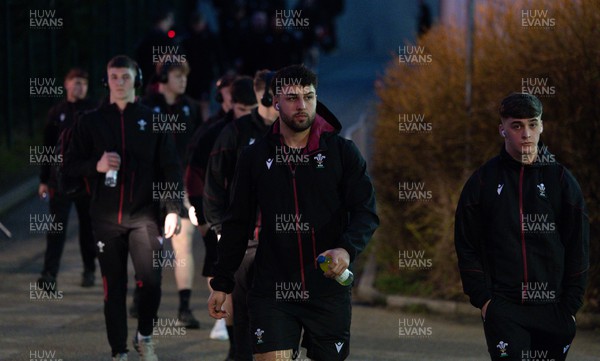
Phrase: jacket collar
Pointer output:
(542, 159)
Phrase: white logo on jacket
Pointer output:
(320, 158)
(500, 186)
(269, 163)
(542, 189)
(142, 123)
(338, 346)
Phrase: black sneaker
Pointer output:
(88, 279)
(47, 282)
(186, 319)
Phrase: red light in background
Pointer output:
(171, 34)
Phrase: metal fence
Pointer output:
(44, 38)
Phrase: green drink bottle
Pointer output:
(344, 279)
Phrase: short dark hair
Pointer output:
(184, 67)
(261, 78)
(299, 73)
(76, 73)
(242, 91)
(122, 61)
(520, 106)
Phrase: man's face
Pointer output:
(121, 82)
(521, 136)
(227, 104)
(297, 106)
(177, 81)
(239, 109)
(76, 88)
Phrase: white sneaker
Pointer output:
(120, 357)
(219, 331)
(145, 348)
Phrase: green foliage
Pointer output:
(506, 52)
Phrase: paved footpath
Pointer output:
(71, 328)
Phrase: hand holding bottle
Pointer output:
(334, 263)
(109, 160)
(109, 164)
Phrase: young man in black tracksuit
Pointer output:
(220, 169)
(522, 239)
(178, 116)
(315, 198)
(125, 218)
(243, 101)
(61, 119)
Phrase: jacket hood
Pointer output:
(325, 125)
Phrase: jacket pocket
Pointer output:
(487, 311)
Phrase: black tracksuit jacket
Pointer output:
(220, 169)
(60, 117)
(199, 150)
(321, 200)
(147, 158)
(518, 225)
(182, 128)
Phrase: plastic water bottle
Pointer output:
(111, 178)
(344, 279)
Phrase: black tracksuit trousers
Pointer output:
(528, 332)
(60, 206)
(143, 241)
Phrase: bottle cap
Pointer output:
(321, 259)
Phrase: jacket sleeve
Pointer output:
(195, 174)
(237, 227)
(80, 160)
(359, 199)
(574, 231)
(170, 167)
(50, 140)
(467, 241)
(219, 173)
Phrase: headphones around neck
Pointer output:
(267, 98)
(139, 78)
